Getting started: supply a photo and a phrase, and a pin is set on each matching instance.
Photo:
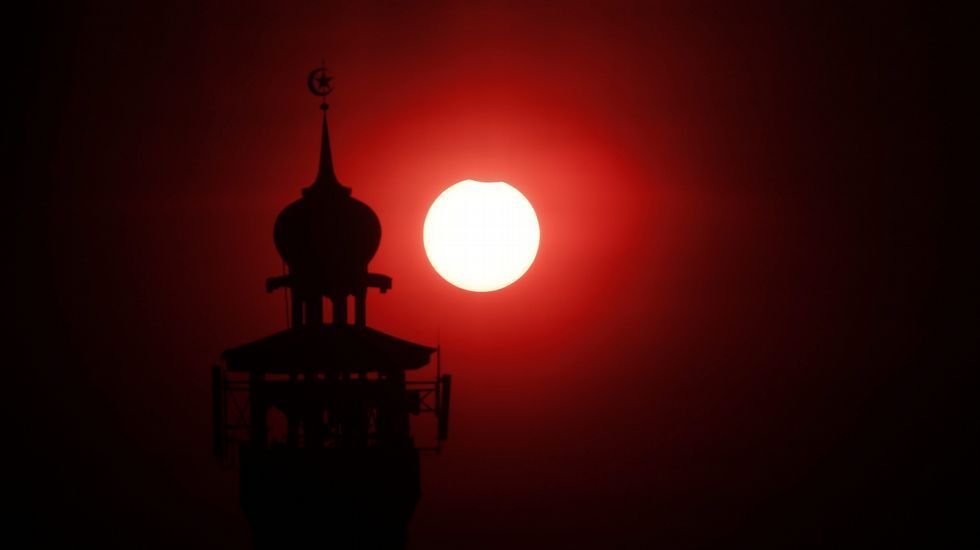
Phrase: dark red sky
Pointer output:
(743, 323)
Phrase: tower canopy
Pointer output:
(327, 348)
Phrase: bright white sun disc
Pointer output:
(481, 236)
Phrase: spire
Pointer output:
(325, 176)
(320, 85)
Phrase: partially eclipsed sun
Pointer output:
(481, 236)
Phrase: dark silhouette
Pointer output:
(343, 469)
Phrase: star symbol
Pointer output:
(323, 81)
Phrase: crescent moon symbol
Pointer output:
(312, 83)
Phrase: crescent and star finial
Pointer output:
(320, 84)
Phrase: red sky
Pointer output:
(734, 296)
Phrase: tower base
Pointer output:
(329, 498)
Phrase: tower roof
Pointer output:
(327, 348)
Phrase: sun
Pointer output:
(481, 236)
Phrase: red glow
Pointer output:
(722, 240)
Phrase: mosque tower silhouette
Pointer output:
(319, 413)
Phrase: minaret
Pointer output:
(340, 465)
(327, 239)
